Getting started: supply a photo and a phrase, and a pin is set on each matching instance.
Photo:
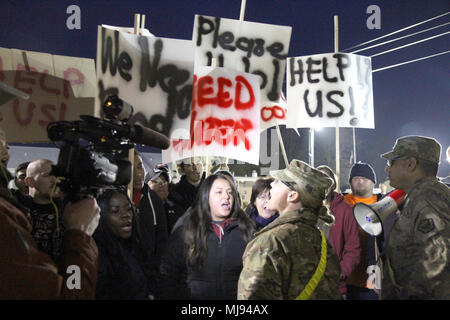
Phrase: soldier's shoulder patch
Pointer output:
(426, 225)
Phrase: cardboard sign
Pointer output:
(274, 113)
(142, 32)
(257, 48)
(330, 90)
(152, 74)
(60, 88)
(224, 120)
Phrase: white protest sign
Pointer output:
(224, 119)
(257, 48)
(59, 88)
(330, 90)
(142, 32)
(274, 113)
(152, 74)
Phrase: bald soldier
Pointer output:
(290, 258)
(418, 249)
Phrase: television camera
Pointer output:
(94, 151)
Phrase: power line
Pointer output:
(403, 37)
(411, 61)
(387, 35)
(409, 44)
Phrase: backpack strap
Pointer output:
(317, 276)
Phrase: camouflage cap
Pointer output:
(311, 183)
(415, 146)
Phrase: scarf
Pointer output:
(261, 221)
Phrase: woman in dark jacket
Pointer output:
(122, 271)
(204, 257)
(257, 210)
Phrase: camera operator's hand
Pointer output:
(82, 215)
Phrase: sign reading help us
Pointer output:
(257, 48)
(152, 74)
(330, 90)
(225, 118)
(60, 88)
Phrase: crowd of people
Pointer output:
(296, 239)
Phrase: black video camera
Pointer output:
(94, 153)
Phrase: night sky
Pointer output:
(408, 100)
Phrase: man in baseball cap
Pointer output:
(281, 262)
(418, 251)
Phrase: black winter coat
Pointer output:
(216, 279)
(183, 193)
(153, 234)
(121, 280)
(173, 213)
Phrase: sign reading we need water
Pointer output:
(225, 118)
(153, 74)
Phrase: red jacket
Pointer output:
(27, 273)
(344, 238)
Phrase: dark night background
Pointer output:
(408, 100)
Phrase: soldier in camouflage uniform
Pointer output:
(281, 260)
(418, 249)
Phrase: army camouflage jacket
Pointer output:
(282, 258)
(418, 248)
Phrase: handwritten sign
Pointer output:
(224, 119)
(153, 74)
(257, 48)
(60, 88)
(142, 32)
(330, 90)
(273, 113)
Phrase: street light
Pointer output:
(448, 154)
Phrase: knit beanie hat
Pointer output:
(361, 169)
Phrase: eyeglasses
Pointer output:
(264, 197)
(287, 184)
(390, 163)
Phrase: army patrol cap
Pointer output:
(424, 148)
(311, 183)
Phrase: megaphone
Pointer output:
(370, 217)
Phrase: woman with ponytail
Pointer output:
(204, 257)
(290, 258)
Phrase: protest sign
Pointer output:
(274, 113)
(257, 48)
(142, 32)
(60, 88)
(330, 90)
(152, 74)
(224, 119)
